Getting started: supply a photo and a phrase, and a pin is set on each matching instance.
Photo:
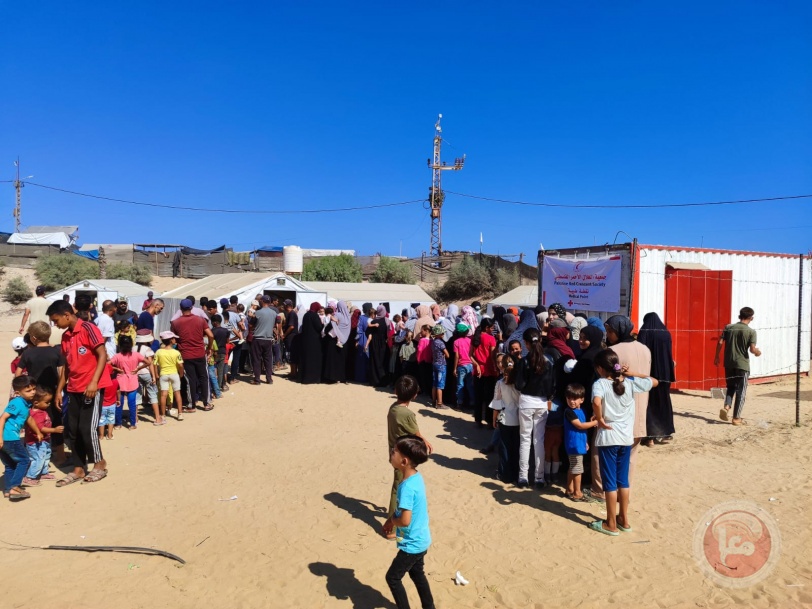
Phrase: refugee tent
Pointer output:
(396, 296)
(105, 289)
(526, 296)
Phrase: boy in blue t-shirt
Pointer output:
(411, 519)
(13, 453)
(575, 443)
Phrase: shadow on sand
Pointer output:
(343, 585)
(360, 509)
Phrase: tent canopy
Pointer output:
(106, 289)
(399, 296)
(524, 296)
(245, 286)
(63, 240)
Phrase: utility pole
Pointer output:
(18, 186)
(436, 195)
(18, 206)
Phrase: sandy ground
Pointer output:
(308, 466)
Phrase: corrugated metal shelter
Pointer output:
(397, 296)
(697, 291)
(106, 289)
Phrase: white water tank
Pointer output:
(292, 259)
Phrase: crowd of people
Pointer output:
(534, 376)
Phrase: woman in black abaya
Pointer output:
(660, 415)
(310, 358)
(335, 365)
(378, 333)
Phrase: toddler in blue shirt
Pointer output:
(13, 453)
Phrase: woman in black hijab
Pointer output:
(591, 343)
(310, 361)
(660, 415)
(377, 333)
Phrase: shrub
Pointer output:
(504, 280)
(391, 270)
(56, 272)
(16, 291)
(138, 273)
(343, 268)
(469, 278)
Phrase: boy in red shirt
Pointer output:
(86, 377)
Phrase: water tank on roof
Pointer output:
(292, 259)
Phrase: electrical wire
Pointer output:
(650, 206)
(226, 211)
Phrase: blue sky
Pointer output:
(325, 104)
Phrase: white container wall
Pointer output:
(766, 282)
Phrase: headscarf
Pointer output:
(509, 324)
(343, 325)
(356, 315)
(470, 319)
(498, 312)
(559, 310)
(424, 318)
(654, 335)
(526, 321)
(381, 312)
(435, 312)
(595, 338)
(450, 321)
(596, 322)
(557, 339)
(578, 323)
(539, 309)
(557, 323)
(315, 306)
(622, 326)
(541, 318)
(332, 303)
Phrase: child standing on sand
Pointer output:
(12, 450)
(127, 363)
(411, 520)
(401, 421)
(39, 446)
(575, 439)
(613, 405)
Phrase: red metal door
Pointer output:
(697, 308)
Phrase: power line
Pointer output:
(651, 206)
(226, 211)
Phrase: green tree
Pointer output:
(469, 278)
(342, 268)
(56, 272)
(16, 291)
(391, 270)
(138, 273)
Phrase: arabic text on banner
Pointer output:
(588, 285)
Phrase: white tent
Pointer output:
(398, 296)
(105, 289)
(245, 286)
(526, 296)
(63, 240)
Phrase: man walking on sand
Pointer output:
(740, 341)
(35, 309)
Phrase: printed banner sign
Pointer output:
(587, 285)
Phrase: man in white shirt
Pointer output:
(107, 328)
(35, 310)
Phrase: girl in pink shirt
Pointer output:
(127, 364)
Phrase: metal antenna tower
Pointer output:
(18, 206)
(436, 194)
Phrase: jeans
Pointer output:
(40, 455)
(413, 565)
(220, 367)
(508, 445)
(215, 385)
(532, 425)
(197, 381)
(130, 396)
(736, 388)
(236, 353)
(16, 459)
(465, 384)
